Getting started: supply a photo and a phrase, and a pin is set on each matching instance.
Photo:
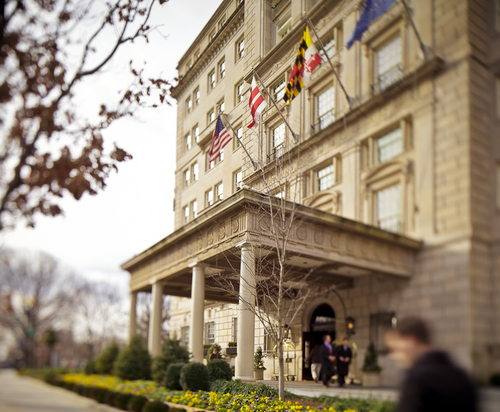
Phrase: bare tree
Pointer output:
(144, 304)
(99, 313)
(37, 295)
(47, 147)
(282, 288)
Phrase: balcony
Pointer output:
(276, 153)
(385, 80)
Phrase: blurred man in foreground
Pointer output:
(433, 382)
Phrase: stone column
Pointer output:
(132, 324)
(197, 308)
(155, 319)
(246, 318)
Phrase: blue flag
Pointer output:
(372, 10)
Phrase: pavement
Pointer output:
(25, 394)
(489, 397)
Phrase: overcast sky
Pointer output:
(100, 232)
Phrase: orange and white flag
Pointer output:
(257, 103)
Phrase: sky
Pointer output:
(98, 233)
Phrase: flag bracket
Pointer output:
(295, 136)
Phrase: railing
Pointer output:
(323, 122)
(277, 152)
(388, 78)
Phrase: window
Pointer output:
(326, 108)
(234, 329)
(195, 172)
(211, 37)
(239, 136)
(197, 54)
(222, 69)
(186, 214)
(219, 190)
(283, 26)
(196, 134)
(240, 48)
(185, 336)
(210, 116)
(277, 141)
(222, 23)
(196, 96)
(210, 164)
(329, 45)
(209, 197)
(209, 333)
(326, 177)
(188, 141)
(389, 209)
(280, 193)
(388, 64)
(190, 63)
(220, 107)
(189, 104)
(390, 145)
(194, 209)
(380, 323)
(187, 177)
(278, 89)
(239, 91)
(237, 178)
(211, 80)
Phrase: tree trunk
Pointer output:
(281, 382)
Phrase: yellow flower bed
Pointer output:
(212, 401)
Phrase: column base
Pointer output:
(245, 378)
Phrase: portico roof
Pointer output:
(345, 248)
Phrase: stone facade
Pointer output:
(443, 106)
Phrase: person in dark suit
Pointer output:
(327, 358)
(315, 360)
(344, 356)
(433, 382)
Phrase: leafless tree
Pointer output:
(47, 147)
(144, 315)
(282, 289)
(37, 295)
(99, 315)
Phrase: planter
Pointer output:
(258, 374)
(371, 379)
(232, 351)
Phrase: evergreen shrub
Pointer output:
(371, 360)
(219, 369)
(122, 400)
(155, 406)
(106, 359)
(173, 376)
(171, 352)
(136, 403)
(133, 362)
(194, 377)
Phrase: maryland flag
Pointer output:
(305, 63)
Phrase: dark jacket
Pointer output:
(343, 367)
(326, 363)
(435, 384)
(315, 356)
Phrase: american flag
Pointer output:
(220, 139)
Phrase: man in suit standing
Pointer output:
(433, 382)
(344, 356)
(327, 359)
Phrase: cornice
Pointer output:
(232, 26)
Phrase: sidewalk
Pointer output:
(489, 398)
(24, 394)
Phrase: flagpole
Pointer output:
(295, 136)
(422, 45)
(254, 163)
(349, 100)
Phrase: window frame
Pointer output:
(235, 180)
(193, 208)
(211, 84)
(196, 97)
(185, 216)
(188, 142)
(207, 201)
(317, 95)
(219, 197)
(375, 210)
(212, 35)
(377, 330)
(239, 53)
(221, 69)
(185, 336)
(211, 113)
(187, 177)
(278, 81)
(195, 172)
(220, 107)
(273, 152)
(195, 133)
(206, 336)
(189, 104)
(239, 96)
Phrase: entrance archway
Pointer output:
(322, 322)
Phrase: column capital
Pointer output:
(245, 244)
(196, 263)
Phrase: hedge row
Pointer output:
(123, 401)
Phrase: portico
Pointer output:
(227, 236)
